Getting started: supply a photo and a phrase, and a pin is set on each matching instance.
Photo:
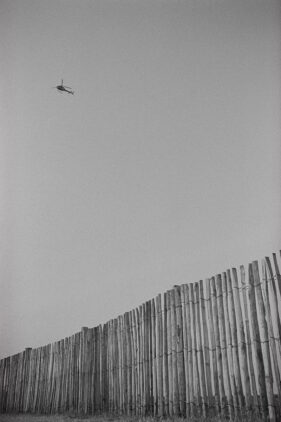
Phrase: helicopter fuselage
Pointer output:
(62, 88)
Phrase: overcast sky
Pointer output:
(163, 168)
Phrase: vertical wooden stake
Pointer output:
(169, 353)
(231, 346)
(206, 345)
(179, 350)
(274, 343)
(190, 362)
(165, 358)
(201, 366)
(197, 402)
(217, 344)
(185, 315)
(249, 340)
(159, 356)
(265, 343)
(154, 362)
(274, 284)
(236, 310)
(257, 342)
(174, 329)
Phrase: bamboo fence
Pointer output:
(201, 349)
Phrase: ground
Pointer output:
(107, 418)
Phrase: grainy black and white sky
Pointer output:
(163, 168)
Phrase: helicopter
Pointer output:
(62, 87)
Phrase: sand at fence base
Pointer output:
(67, 418)
(56, 418)
(37, 418)
(52, 418)
(106, 418)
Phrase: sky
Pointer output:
(163, 168)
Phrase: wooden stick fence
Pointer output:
(201, 349)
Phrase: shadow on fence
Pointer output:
(201, 349)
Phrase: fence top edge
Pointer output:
(179, 287)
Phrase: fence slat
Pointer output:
(197, 401)
(142, 371)
(159, 356)
(169, 353)
(134, 362)
(146, 360)
(165, 358)
(138, 363)
(223, 345)
(179, 350)
(185, 315)
(199, 347)
(190, 354)
(265, 343)
(274, 342)
(154, 365)
(278, 275)
(213, 349)
(174, 338)
(206, 348)
(273, 285)
(257, 343)
(241, 336)
(217, 343)
(231, 347)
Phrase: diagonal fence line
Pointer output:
(157, 359)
